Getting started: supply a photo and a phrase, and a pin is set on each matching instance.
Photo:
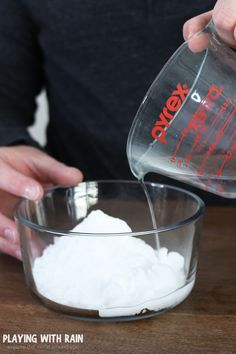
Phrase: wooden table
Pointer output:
(204, 323)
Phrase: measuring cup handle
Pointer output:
(211, 29)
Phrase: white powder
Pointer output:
(119, 275)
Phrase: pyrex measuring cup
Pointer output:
(185, 127)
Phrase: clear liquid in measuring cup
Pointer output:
(195, 143)
(211, 172)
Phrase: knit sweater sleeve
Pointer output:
(20, 73)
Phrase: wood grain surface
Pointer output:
(204, 323)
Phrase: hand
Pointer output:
(24, 171)
(224, 18)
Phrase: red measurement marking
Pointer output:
(197, 121)
(200, 147)
(216, 120)
(213, 95)
(183, 135)
(188, 158)
(214, 124)
(229, 156)
(228, 120)
(229, 142)
(217, 157)
(229, 147)
(196, 146)
(233, 147)
(217, 138)
(179, 164)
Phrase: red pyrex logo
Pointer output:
(173, 104)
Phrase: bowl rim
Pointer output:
(61, 232)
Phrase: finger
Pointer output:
(197, 41)
(196, 24)
(50, 170)
(224, 18)
(10, 248)
(8, 229)
(18, 184)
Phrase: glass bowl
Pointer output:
(111, 276)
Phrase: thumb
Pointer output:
(224, 18)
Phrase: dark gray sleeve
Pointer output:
(20, 73)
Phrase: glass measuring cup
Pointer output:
(185, 127)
